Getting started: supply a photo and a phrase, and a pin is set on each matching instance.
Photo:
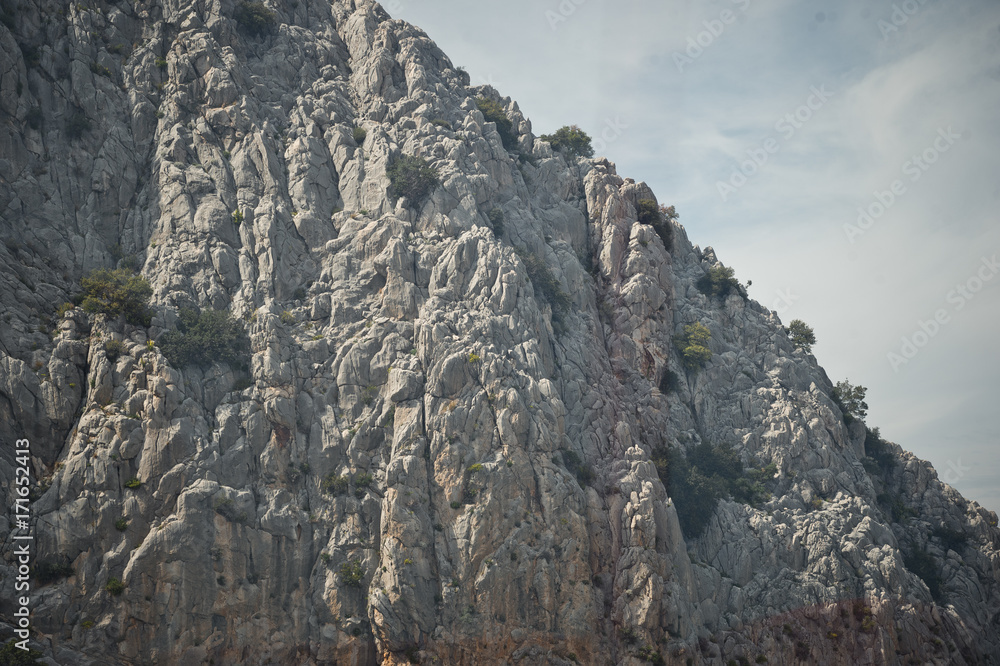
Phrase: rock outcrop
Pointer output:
(443, 447)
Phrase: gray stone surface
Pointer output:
(404, 348)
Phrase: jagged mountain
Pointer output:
(448, 438)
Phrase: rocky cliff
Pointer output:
(446, 443)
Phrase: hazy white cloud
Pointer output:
(893, 88)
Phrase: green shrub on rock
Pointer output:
(570, 140)
(802, 335)
(352, 573)
(697, 481)
(333, 484)
(255, 18)
(546, 285)
(12, 655)
(494, 113)
(718, 281)
(693, 345)
(660, 218)
(923, 564)
(117, 293)
(496, 218)
(114, 587)
(205, 338)
(412, 177)
(851, 400)
(49, 571)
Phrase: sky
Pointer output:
(845, 157)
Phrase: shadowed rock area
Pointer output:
(449, 438)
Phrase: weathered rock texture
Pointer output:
(406, 342)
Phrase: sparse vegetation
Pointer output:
(650, 654)
(895, 506)
(494, 113)
(670, 382)
(113, 349)
(226, 508)
(237, 217)
(950, 539)
(205, 338)
(660, 218)
(49, 571)
(570, 140)
(361, 483)
(121, 524)
(100, 70)
(114, 587)
(718, 281)
(802, 335)
(242, 384)
(693, 345)
(412, 177)
(496, 218)
(34, 118)
(133, 484)
(117, 293)
(583, 472)
(923, 565)
(333, 484)
(77, 125)
(851, 401)
(11, 655)
(546, 285)
(359, 134)
(351, 573)
(878, 450)
(254, 18)
(696, 482)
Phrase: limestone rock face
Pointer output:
(443, 444)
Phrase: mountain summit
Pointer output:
(325, 358)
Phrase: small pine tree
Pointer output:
(693, 345)
(851, 400)
(802, 335)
